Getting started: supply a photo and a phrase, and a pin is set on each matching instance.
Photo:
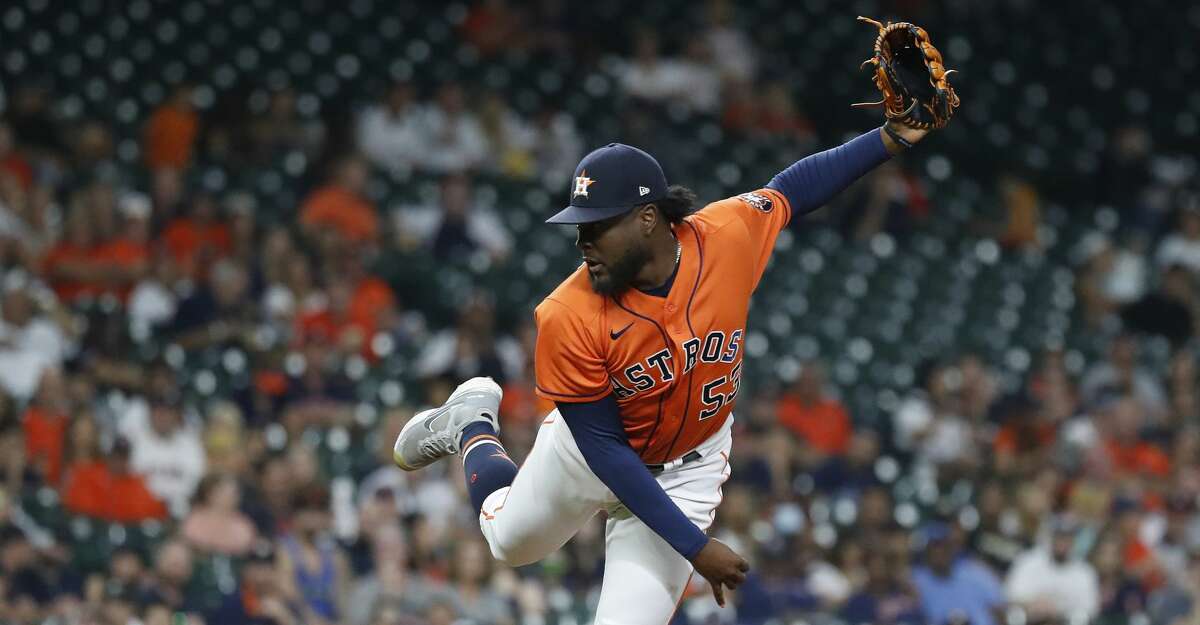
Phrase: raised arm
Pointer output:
(815, 179)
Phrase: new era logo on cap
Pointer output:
(605, 182)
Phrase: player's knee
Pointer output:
(513, 549)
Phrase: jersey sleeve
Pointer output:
(568, 366)
(764, 214)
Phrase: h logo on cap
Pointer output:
(582, 182)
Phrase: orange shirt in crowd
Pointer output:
(68, 290)
(334, 207)
(92, 490)
(824, 425)
(19, 168)
(1008, 439)
(1138, 458)
(124, 254)
(169, 138)
(45, 433)
(371, 298)
(186, 239)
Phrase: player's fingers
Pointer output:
(735, 579)
(743, 566)
(718, 592)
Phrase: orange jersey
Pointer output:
(674, 364)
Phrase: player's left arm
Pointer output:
(815, 179)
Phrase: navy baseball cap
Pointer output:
(610, 181)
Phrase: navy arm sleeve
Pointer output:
(601, 438)
(813, 180)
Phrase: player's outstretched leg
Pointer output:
(466, 423)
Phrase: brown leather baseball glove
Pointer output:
(909, 73)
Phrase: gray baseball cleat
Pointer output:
(433, 434)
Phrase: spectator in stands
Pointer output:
(219, 312)
(454, 140)
(174, 565)
(703, 79)
(170, 134)
(1122, 373)
(295, 294)
(472, 348)
(125, 257)
(470, 571)
(493, 26)
(30, 340)
(29, 588)
(510, 138)
(215, 524)
(45, 423)
(67, 265)
(280, 129)
(1182, 245)
(315, 572)
(103, 487)
(258, 600)
(732, 49)
(33, 120)
(391, 584)
(340, 208)
(818, 419)
(457, 227)
(1124, 450)
(556, 145)
(1026, 436)
(886, 597)
(390, 133)
(1051, 583)
(1113, 275)
(12, 162)
(359, 307)
(200, 238)
(650, 77)
(955, 588)
(1169, 311)
(167, 451)
(928, 422)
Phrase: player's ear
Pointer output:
(648, 218)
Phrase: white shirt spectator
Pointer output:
(440, 356)
(936, 438)
(1146, 388)
(1071, 587)
(172, 464)
(732, 51)
(484, 226)
(452, 143)
(659, 80)
(151, 303)
(392, 142)
(828, 582)
(26, 351)
(1177, 249)
(557, 147)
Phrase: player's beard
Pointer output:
(622, 271)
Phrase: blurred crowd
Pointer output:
(187, 434)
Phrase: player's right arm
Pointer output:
(598, 431)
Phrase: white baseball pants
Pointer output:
(555, 493)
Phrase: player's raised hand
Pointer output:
(722, 567)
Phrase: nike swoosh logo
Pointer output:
(617, 335)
